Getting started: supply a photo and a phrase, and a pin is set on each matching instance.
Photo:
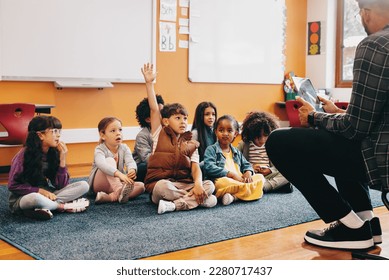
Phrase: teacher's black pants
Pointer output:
(304, 155)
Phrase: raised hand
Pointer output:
(148, 72)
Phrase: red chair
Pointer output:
(292, 112)
(342, 105)
(14, 120)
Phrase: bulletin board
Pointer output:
(98, 40)
(237, 41)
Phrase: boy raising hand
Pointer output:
(173, 177)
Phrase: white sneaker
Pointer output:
(125, 193)
(166, 206)
(209, 202)
(79, 205)
(227, 199)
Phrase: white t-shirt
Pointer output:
(195, 156)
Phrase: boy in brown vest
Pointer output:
(173, 177)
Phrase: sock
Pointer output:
(351, 220)
(366, 215)
(267, 187)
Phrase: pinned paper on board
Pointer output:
(167, 37)
(184, 3)
(168, 10)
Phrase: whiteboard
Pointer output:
(98, 40)
(237, 41)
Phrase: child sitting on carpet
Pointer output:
(144, 141)
(203, 127)
(38, 178)
(255, 130)
(173, 177)
(229, 169)
(113, 173)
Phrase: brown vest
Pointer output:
(171, 158)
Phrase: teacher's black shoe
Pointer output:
(338, 236)
(376, 230)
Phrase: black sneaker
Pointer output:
(38, 214)
(376, 230)
(287, 188)
(337, 235)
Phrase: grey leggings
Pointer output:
(66, 194)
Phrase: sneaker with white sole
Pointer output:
(376, 230)
(209, 202)
(166, 206)
(227, 199)
(125, 192)
(78, 205)
(338, 236)
(38, 214)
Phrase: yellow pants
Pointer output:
(243, 191)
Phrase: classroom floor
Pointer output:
(281, 244)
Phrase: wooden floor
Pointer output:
(282, 244)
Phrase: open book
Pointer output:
(307, 91)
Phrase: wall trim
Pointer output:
(89, 135)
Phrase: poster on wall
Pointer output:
(168, 10)
(314, 30)
(167, 36)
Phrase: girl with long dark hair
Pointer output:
(39, 179)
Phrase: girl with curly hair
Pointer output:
(256, 128)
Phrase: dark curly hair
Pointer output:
(258, 123)
(142, 111)
(33, 171)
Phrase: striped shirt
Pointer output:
(258, 155)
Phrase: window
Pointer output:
(349, 33)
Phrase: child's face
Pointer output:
(225, 132)
(209, 116)
(177, 122)
(260, 140)
(50, 137)
(112, 135)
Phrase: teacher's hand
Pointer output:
(304, 110)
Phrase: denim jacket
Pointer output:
(214, 162)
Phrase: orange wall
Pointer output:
(83, 108)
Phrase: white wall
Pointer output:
(321, 68)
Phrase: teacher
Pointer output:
(352, 145)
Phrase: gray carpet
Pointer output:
(135, 230)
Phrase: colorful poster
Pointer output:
(314, 30)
